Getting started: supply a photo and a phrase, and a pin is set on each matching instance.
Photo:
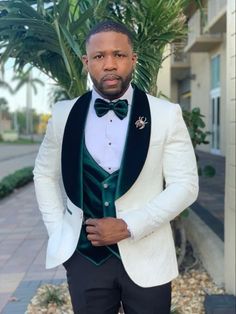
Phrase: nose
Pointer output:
(110, 63)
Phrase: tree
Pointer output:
(22, 120)
(26, 78)
(50, 35)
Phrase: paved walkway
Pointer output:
(23, 240)
(22, 237)
(23, 246)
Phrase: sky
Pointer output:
(40, 101)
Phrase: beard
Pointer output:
(113, 91)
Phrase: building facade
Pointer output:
(201, 73)
(230, 190)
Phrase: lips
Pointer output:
(111, 80)
(111, 77)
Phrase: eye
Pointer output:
(98, 57)
(120, 55)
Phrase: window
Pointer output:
(215, 104)
(215, 72)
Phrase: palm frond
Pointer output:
(50, 35)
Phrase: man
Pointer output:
(116, 145)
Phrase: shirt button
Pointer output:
(105, 185)
(109, 143)
(106, 204)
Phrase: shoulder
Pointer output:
(162, 107)
(60, 113)
(160, 102)
(63, 107)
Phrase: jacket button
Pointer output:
(106, 204)
(105, 185)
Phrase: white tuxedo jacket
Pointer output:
(162, 150)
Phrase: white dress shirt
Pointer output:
(105, 136)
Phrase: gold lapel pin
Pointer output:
(141, 122)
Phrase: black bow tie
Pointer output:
(120, 107)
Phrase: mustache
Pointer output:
(111, 77)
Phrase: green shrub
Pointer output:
(52, 295)
(15, 180)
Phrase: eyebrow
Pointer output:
(114, 51)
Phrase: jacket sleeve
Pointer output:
(47, 173)
(181, 177)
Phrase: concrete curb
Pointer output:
(207, 245)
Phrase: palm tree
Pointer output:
(50, 35)
(47, 35)
(26, 78)
(154, 23)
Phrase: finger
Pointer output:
(93, 237)
(91, 221)
(96, 243)
(91, 229)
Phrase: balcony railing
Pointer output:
(215, 7)
(216, 16)
(179, 58)
(196, 25)
(199, 39)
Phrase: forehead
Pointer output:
(108, 40)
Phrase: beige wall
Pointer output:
(230, 189)
(164, 75)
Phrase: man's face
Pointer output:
(110, 62)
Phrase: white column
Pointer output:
(230, 190)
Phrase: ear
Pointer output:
(134, 59)
(85, 61)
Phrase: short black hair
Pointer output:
(110, 26)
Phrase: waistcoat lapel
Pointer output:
(137, 142)
(72, 149)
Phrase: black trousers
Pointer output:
(101, 289)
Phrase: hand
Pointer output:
(106, 231)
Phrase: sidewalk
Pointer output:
(23, 239)
(22, 255)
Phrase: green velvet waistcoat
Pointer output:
(99, 189)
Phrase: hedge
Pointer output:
(15, 180)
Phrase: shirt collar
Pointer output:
(128, 95)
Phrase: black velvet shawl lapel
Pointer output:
(72, 150)
(134, 155)
(137, 143)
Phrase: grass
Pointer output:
(21, 141)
